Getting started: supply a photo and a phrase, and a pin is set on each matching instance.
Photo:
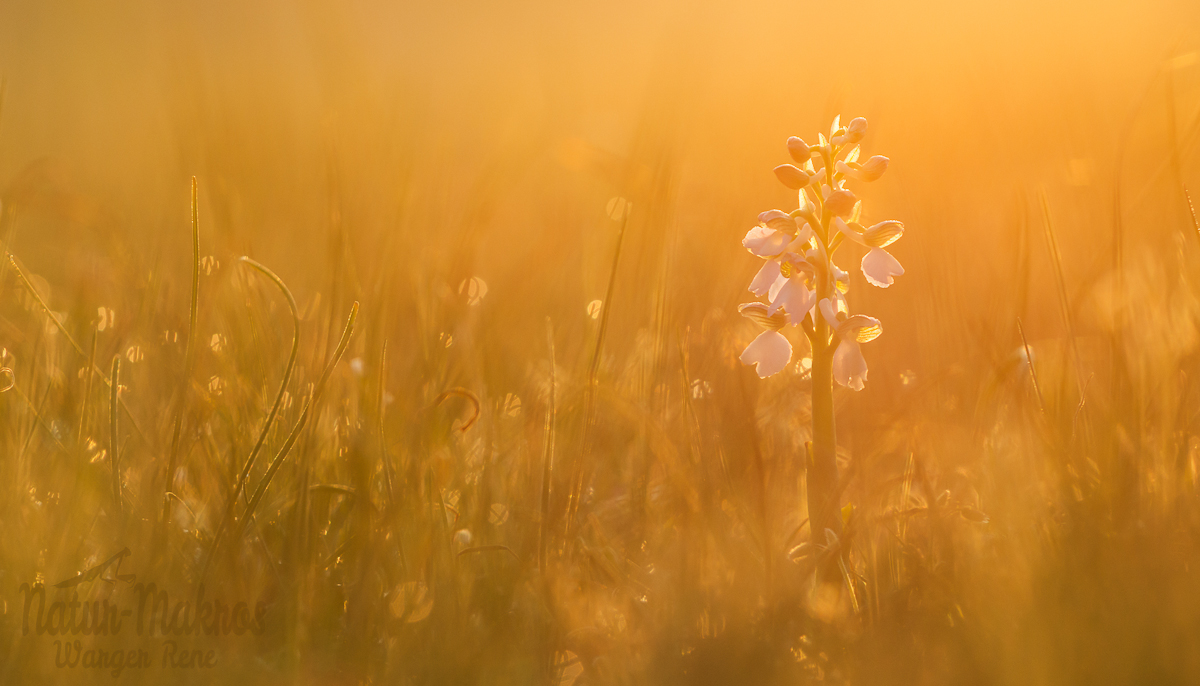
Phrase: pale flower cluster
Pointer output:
(799, 279)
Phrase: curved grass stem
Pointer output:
(113, 445)
(312, 401)
(309, 405)
(240, 485)
(188, 361)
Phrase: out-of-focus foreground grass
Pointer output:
(465, 173)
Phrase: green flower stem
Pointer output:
(822, 476)
(822, 471)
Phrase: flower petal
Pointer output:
(829, 310)
(765, 242)
(883, 234)
(778, 220)
(769, 353)
(879, 267)
(802, 240)
(849, 365)
(849, 231)
(773, 291)
(795, 298)
(765, 278)
(757, 313)
(860, 328)
(841, 282)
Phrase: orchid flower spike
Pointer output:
(770, 352)
(798, 278)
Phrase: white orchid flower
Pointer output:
(770, 352)
(849, 365)
(792, 290)
(775, 235)
(797, 251)
(770, 237)
(878, 265)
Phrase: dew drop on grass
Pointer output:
(411, 601)
(105, 318)
(593, 309)
(569, 666)
(617, 208)
(512, 405)
(474, 289)
(498, 514)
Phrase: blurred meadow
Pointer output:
(536, 458)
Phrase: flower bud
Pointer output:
(791, 176)
(799, 149)
(855, 130)
(873, 168)
(840, 203)
(870, 170)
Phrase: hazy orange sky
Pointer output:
(409, 113)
